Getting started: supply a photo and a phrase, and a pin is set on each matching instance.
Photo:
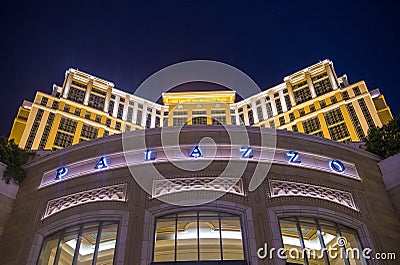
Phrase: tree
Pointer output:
(384, 141)
(14, 158)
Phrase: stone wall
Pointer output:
(8, 192)
(390, 168)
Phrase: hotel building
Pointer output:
(313, 101)
(102, 202)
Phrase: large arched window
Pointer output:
(317, 241)
(90, 243)
(198, 236)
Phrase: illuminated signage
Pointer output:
(102, 163)
(246, 152)
(336, 165)
(196, 152)
(293, 157)
(150, 155)
(61, 172)
(280, 156)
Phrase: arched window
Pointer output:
(90, 243)
(318, 241)
(198, 236)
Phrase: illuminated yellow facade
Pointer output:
(313, 100)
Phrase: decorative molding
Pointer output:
(108, 193)
(280, 188)
(169, 186)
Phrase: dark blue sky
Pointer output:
(127, 42)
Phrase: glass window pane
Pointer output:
(331, 243)
(108, 239)
(186, 249)
(209, 238)
(353, 246)
(313, 247)
(49, 250)
(232, 245)
(165, 240)
(68, 246)
(291, 241)
(88, 243)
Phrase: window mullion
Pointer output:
(342, 247)
(96, 249)
(78, 244)
(301, 241)
(220, 235)
(321, 240)
(58, 253)
(176, 236)
(198, 237)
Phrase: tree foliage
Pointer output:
(384, 141)
(14, 158)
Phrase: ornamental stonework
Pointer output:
(108, 193)
(280, 188)
(169, 186)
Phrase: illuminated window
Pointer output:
(278, 103)
(302, 92)
(355, 121)
(345, 95)
(281, 120)
(218, 116)
(356, 91)
(179, 118)
(76, 95)
(291, 116)
(46, 131)
(34, 129)
(139, 117)
(311, 125)
(120, 111)
(366, 113)
(198, 236)
(233, 117)
(44, 101)
(96, 102)
(322, 84)
(307, 241)
(91, 243)
(111, 107)
(250, 115)
(287, 99)
(54, 105)
(336, 125)
(89, 132)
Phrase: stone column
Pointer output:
(283, 101)
(273, 105)
(125, 112)
(108, 97)
(310, 83)
(116, 105)
(88, 90)
(290, 91)
(69, 77)
(332, 77)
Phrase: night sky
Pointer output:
(126, 43)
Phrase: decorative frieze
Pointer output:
(108, 193)
(280, 188)
(168, 186)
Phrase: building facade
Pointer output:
(313, 100)
(81, 205)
